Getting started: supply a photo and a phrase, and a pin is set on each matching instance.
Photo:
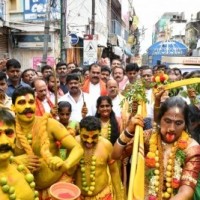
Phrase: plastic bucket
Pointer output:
(64, 191)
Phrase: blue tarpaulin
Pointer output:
(166, 48)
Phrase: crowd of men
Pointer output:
(40, 94)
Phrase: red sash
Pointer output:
(40, 108)
(85, 87)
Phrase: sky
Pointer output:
(149, 12)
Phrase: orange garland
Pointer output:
(173, 169)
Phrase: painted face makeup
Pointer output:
(89, 138)
(172, 124)
(7, 139)
(25, 107)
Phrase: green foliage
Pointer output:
(150, 173)
(135, 92)
(180, 154)
(196, 87)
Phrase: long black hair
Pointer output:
(115, 132)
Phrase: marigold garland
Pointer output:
(172, 174)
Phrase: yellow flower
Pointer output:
(157, 79)
(166, 76)
(153, 148)
(151, 155)
(153, 139)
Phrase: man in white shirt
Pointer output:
(43, 102)
(94, 86)
(117, 97)
(76, 98)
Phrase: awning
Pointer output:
(28, 27)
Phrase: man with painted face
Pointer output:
(38, 142)
(91, 175)
(13, 176)
(172, 159)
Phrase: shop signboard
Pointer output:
(31, 41)
(35, 10)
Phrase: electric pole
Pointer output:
(93, 17)
(63, 52)
(46, 34)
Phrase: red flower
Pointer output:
(150, 162)
(175, 183)
(58, 144)
(182, 144)
(162, 78)
(151, 197)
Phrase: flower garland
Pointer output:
(170, 177)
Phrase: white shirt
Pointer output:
(94, 93)
(47, 107)
(150, 103)
(76, 114)
(116, 106)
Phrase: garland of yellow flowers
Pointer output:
(156, 168)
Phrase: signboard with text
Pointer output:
(31, 41)
(35, 10)
(90, 49)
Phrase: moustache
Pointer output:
(5, 148)
(74, 88)
(95, 77)
(27, 110)
(118, 77)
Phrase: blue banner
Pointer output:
(36, 10)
